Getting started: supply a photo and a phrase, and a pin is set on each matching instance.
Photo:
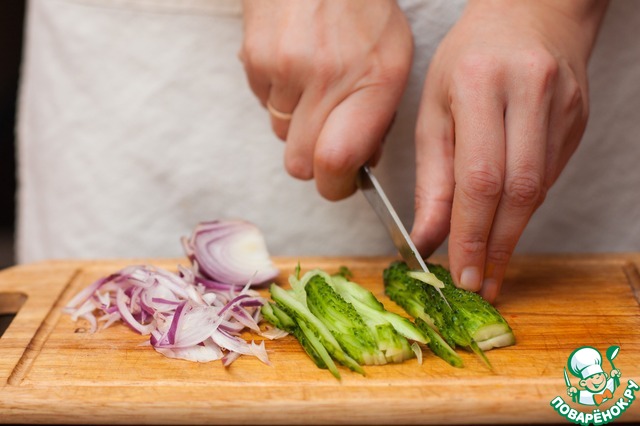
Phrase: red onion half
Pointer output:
(232, 252)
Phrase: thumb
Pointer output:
(352, 135)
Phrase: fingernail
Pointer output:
(470, 278)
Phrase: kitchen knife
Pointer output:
(370, 187)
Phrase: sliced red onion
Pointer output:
(196, 325)
(244, 318)
(230, 342)
(232, 327)
(198, 353)
(215, 285)
(273, 333)
(184, 319)
(198, 313)
(175, 319)
(260, 352)
(84, 309)
(92, 321)
(109, 319)
(86, 293)
(229, 358)
(126, 313)
(231, 252)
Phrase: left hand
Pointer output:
(504, 106)
(615, 373)
(337, 70)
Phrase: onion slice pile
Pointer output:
(191, 314)
(232, 252)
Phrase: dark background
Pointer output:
(11, 27)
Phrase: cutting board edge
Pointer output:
(34, 319)
(331, 410)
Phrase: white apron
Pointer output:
(136, 122)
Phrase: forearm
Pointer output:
(575, 21)
(583, 18)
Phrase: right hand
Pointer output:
(572, 391)
(340, 68)
(504, 107)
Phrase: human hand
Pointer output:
(339, 67)
(571, 391)
(615, 373)
(504, 106)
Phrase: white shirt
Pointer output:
(136, 122)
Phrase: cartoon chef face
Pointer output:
(595, 383)
(586, 364)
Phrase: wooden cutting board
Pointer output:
(53, 371)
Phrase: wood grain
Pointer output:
(53, 371)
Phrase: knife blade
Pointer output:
(373, 192)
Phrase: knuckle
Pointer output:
(287, 59)
(326, 67)
(543, 194)
(481, 183)
(580, 99)
(541, 67)
(499, 254)
(427, 197)
(472, 245)
(576, 99)
(333, 161)
(252, 54)
(537, 72)
(474, 71)
(575, 93)
(247, 49)
(479, 66)
(392, 73)
(523, 190)
(398, 69)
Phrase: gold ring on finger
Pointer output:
(278, 114)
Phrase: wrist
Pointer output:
(574, 23)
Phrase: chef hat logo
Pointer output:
(584, 362)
